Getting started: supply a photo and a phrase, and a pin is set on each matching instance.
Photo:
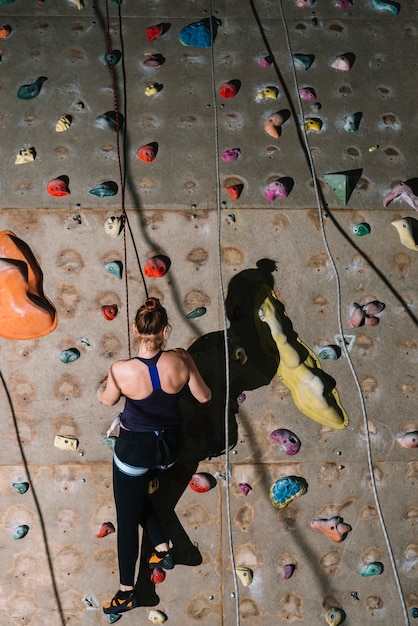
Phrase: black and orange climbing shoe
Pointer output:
(120, 603)
(161, 559)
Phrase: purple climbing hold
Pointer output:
(288, 570)
(307, 93)
(230, 155)
(344, 4)
(287, 440)
(276, 189)
(241, 398)
(245, 488)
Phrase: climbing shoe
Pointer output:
(161, 559)
(120, 603)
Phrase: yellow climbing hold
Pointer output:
(245, 575)
(26, 155)
(313, 391)
(313, 123)
(63, 124)
(268, 92)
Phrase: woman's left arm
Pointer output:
(111, 394)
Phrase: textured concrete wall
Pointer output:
(60, 572)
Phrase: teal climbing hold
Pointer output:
(329, 352)
(201, 310)
(200, 34)
(110, 121)
(286, 489)
(343, 183)
(414, 612)
(361, 229)
(21, 487)
(21, 531)
(26, 92)
(115, 268)
(109, 442)
(114, 617)
(392, 7)
(303, 61)
(113, 58)
(70, 355)
(352, 122)
(109, 188)
(372, 569)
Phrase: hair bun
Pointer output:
(151, 303)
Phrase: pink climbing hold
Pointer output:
(304, 4)
(344, 4)
(287, 440)
(408, 440)
(230, 155)
(106, 528)
(202, 482)
(245, 488)
(154, 60)
(342, 63)
(402, 192)
(356, 318)
(265, 61)
(241, 398)
(307, 93)
(276, 189)
(334, 528)
(288, 570)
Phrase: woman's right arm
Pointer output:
(197, 385)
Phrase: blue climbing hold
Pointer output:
(200, 34)
(287, 489)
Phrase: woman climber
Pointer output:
(150, 437)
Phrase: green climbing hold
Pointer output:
(70, 355)
(21, 531)
(343, 183)
(361, 229)
(109, 188)
(115, 268)
(303, 61)
(109, 442)
(26, 92)
(328, 352)
(201, 310)
(113, 58)
(21, 487)
(373, 569)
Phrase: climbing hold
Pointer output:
(381, 5)
(334, 528)
(78, 3)
(245, 488)
(343, 183)
(273, 124)
(304, 4)
(407, 228)
(148, 152)
(307, 93)
(235, 191)
(303, 61)
(202, 482)
(157, 575)
(26, 155)
(21, 531)
(106, 528)
(109, 311)
(312, 123)
(154, 60)
(372, 309)
(113, 58)
(201, 34)
(153, 32)
(374, 148)
(357, 316)
(113, 226)
(21, 487)
(114, 617)
(115, 268)
(27, 92)
(201, 310)
(70, 355)
(153, 485)
(63, 123)
(109, 188)
(352, 122)
(372, 569)
(109, 442)
(331, 353)
(286, 489)
(287, 440)
(335, 616)
(157, 266)
(276, 189)
(229, 89)
(270, 92)
(110, 121)
(408, 440)
(361, 229)
(156, 616)
(288, 570)
(343, 62)
(240, 355)
(63, 442)
(245, 575)
(344, 4)
(58, 187)
(414, 612)
(152, 90)
(230, 155)
(5, 31)
(404, 192)
(25, 312)
(265, 61)
(241, 398)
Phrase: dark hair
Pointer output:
(151, 317)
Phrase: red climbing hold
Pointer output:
(230, 89)
(235, 191)
(202, 482)
(58, 187)
(157, 266)
(109, 311)
(106, 528)
(157, 575)
(147, 153)
(153, 32)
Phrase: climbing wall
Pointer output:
(273, 146)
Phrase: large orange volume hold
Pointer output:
(25, 312)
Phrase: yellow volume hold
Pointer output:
(313, 391)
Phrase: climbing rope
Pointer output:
(225, 323)
(311, 164)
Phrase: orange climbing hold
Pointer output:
(25, 312)
(235, 191)
(334, 527)
(58, 187)
(106, 528)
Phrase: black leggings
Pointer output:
(133, 506)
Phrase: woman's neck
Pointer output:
(148, 353)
